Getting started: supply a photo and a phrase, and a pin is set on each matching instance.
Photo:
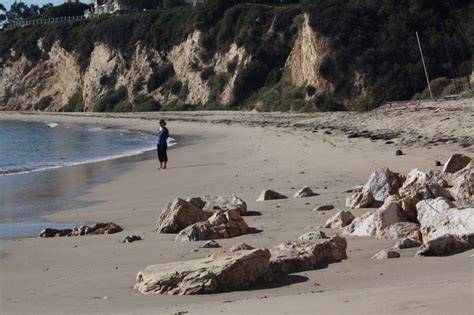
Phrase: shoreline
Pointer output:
(95, 274)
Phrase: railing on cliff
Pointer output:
(24, 23)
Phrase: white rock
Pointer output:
(385, 255)
(339, 220)
(312, 236)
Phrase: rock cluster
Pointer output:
(203, 218)
(222, 224)
(432, 208)
(238, 268)
(99, 228)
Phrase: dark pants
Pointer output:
(162, 156)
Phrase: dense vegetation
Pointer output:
(374, 38)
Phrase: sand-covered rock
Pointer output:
(97, 229)
(456, 162)
(340, 220)
(270, 195)
(216, 273)
(313, 236)
(210, 244)
(376, 223)
(304, 193)
(299, 256)
(406, 243)
(241, 246)
(222, 224)
(131, 239)
(180, 214)
(384, 254)
(447, 244)
(403, 230)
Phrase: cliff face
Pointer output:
(24, 82)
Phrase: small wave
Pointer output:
(95, 129)
(18, 170)
(51, 124)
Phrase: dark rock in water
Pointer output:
(131, 238)
(99, 228)
(398, 152)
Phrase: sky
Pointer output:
(8, 3)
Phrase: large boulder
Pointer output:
(361, 199)
(211, 203)
(179, 214)
(456, 162)
(299, 256)
(222, 224)
(216, 273)
(340, 220)
(304, 193)
(376, 223)
(420, 185)
(445, 245)
(270, 195)
(463, 185)
(403, 230)
(439, 217)
(383, 183)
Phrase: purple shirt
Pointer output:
(163, 135)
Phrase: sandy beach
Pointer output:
(226, 153)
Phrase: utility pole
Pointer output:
(424, 66)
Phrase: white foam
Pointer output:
(51, 124)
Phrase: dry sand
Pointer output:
(242, 154)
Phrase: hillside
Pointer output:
(228, 55)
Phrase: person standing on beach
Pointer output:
(162, 145)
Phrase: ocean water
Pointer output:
(44, 166)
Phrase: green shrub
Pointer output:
(217, 85)
(310, 90)
(184, 91)
(367, 103)
(144, 103)
(328, 104)
(175, 87)
(123, 107)
(159, 77)
(108, 102)
(43, 103)
(273, 77)
(138, 85)
(177, 106)
(74, 104)
(207, 73)
(232, 65)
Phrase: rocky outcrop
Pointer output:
(216, 273)
(210, 244)
(241, 246)
(99, 228)
(340, 220)
(222, 224)
(376, 223)
(180, 214)
(299, 256)
(305, 192)
(270, 195)
(131, 239)
(361, 199)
